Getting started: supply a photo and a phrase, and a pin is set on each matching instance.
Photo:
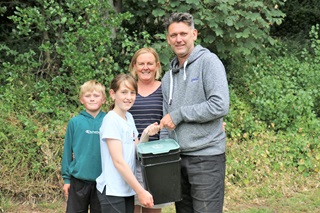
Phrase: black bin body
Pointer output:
(160, 162)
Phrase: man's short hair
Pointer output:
(186, 18)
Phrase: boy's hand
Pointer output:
(66, 188)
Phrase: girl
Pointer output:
(117, 183)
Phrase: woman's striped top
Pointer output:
(147, 110)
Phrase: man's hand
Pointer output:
(166, 122)
(224, 124)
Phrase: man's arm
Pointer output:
(215, 87)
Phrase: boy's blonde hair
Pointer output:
(91, 86)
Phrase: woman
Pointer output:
(146, 68)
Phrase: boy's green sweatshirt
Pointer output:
(81, 156)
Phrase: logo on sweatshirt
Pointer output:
(90, 132)
(194, 79)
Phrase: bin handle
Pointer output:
(156, 164)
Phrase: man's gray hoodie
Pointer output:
(197, 100)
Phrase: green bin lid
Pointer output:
(157, 147)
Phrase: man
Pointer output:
(196, 98)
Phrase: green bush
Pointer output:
(273, 123)
(40, 83)
(242, 124)
(282, 88)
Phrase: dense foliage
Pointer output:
(48, 48)
(276, 107)
(301, 15)
(233, 28)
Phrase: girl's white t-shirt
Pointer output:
(115, 127)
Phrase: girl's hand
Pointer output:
(152, 129)
(146, 199)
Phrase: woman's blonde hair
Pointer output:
(143, 51)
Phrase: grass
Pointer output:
(307, 201)
(249, 189)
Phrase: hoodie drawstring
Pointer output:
(171, 88)
(171, 81)
(184, 70)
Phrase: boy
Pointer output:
(81, 161)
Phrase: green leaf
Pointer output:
(158, 12)
(63, 20)
(195, 2)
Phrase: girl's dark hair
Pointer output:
(129, 81)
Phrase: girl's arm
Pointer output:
(115, 148)
(152, 129)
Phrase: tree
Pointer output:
(232, 28)
(62, 42)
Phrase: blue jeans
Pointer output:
(202, 182)
(114, 204)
